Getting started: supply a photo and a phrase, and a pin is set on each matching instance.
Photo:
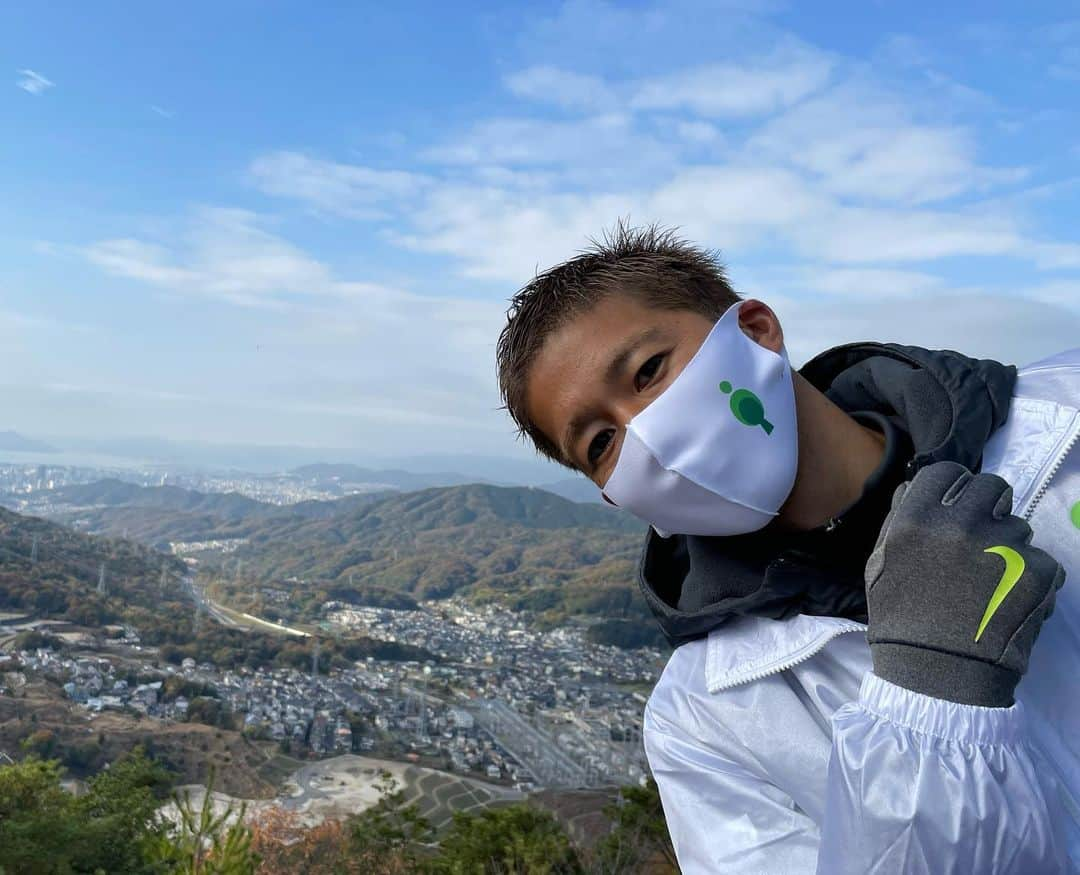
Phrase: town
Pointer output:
(528, 707)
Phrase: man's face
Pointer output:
(601, 369)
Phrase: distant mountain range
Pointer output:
(519, 469)
(348, 475)
(157, 515)
(523, 547)
(11, 441)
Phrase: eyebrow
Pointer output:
(615, 368)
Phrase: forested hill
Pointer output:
(62, 578)
(117, 493)
(222, 505)
(157, 515)
(526, 548)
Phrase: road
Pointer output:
(234, 619)
(549, 765)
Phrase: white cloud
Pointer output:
(121, 391)
(698, 132)
(339, 189)
(866, 235)
(735, 204)
(611, 149)
(871, 283)
(356, 355)
(161, 111)
(32, 82)
(562, 88)
(732, 90)
(135, 259)
(223, 253)
(1013, 329)
(1063, 293)
(505, 235)
(835, 196)
(1054, 256)
(862, 142)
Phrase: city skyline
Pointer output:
(279, 226)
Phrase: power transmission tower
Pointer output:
(197, 625)
(315, 658)
(34, 550)
(101, 588)
(164, 578)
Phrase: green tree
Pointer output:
(516, 840)
(638, 837)
(44, 830)
(204, 709)
(389, 835)
(35, 818)
(41, 743)
(120, 810)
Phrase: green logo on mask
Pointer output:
(1074, 514)
(747, 407)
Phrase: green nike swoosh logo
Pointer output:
(1014, 570)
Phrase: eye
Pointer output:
(647, 371)
(598, 444)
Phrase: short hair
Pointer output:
(651, 263)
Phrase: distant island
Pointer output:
(13, 442)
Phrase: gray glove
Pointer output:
(955, 592)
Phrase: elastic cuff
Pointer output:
(939, 718)
(945, 675)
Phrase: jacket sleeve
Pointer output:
(721, 817)
(914, 785)
(917, 784)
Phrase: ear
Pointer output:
(760, 324)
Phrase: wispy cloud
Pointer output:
(331, 187)
(790, 150)
(727, 90)
(846, 193)
(160, 111)
(562, 88)
(223, 253)
(33, 82)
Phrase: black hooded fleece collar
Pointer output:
(945, 405)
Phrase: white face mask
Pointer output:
(716, 453)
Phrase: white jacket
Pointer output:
(777, 750)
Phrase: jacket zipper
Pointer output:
(799, 656)
(818, 644)
(1044, 487)
(1069, 803)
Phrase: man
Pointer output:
(852, 610)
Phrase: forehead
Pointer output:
(568, 373)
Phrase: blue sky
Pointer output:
(289, 223)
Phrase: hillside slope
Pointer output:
(63, 578)
(157, 515)
(526, 548)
